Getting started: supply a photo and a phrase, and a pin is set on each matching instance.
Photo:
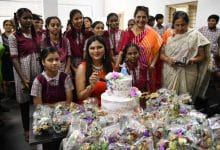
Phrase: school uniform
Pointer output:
(25, 48)
(52, 90)
(114, 38)
(63, 49)
(77, 44)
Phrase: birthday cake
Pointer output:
(120, 95)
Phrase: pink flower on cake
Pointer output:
(134, 92)
(115, 75)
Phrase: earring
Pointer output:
(19, 24)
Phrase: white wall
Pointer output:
(8, 8)
(50, 8)
(99, 9)
(126, 7)
(205, 9)
(90, 8)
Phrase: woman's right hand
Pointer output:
(170, 61)
(119, 59)
(93, 79)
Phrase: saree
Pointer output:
(149, 42)
(192, 79)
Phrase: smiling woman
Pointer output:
(90, 74)
(148, 41)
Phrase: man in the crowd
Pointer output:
(212, 33)
(159, 26)
(151, 21)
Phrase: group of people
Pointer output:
(50, 66)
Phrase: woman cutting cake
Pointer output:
(91, 73)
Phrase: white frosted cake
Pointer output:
(120, 95)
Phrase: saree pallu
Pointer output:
(150, 43)
(192, 79)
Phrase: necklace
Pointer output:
(97, 69)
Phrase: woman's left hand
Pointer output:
(191, 61)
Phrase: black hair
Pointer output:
(90, 20)
(5, 21)
(17, 16)
(159, 16)
(216, 17)
(95, 23)
(68, 22)
(141, 8)
(72, 14)
(109, 16)
(125, 50)
(45, 52)
(131, 20)
(106, 61)
(36, 17)
(41, 20)
(151, 18)
(178, 15)
(47, 31)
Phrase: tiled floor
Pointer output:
(11, 135)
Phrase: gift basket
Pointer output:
(127, 134)
(48, 119)
(42, 119)
(62, 116)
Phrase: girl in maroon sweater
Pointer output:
(51, 85)
(24, 47)
(77, 36)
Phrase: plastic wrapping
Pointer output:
(62, 117)
(127, 134)
(42, 121)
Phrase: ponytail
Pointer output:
(17, 27)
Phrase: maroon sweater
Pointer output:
(52, 94)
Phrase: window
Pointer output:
(190, 8)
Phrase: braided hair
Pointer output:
(48, 34)
(72, 14)
(17, 17)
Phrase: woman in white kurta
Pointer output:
(186, 58)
